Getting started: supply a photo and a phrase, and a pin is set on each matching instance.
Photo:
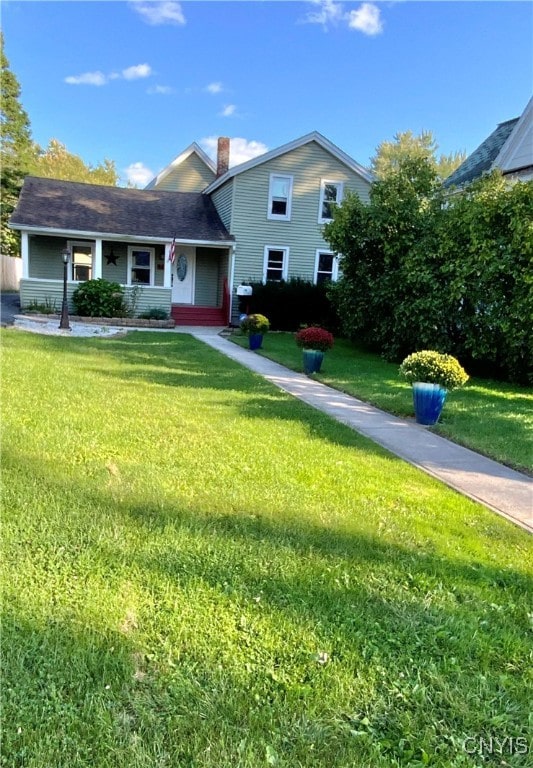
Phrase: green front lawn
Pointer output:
(491, 417)
(201, 572)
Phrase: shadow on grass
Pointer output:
(392, 611)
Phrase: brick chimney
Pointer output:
(222, 155)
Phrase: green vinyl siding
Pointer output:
(115, 273)
(150, 297)
(51, 292)
(45, 260)
(308, 165)
(191, 175)
(211, 268)
(45, 292)
(223, 200)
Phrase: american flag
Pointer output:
(172, 252)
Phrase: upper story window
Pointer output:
(330, 195)
(140, 266)
(279, 197)
(276, 263)
(326, 267)
(81, 260)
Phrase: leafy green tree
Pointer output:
(387, 272)
(56, 162)
(421, 270)
(406, 146)
(16, 150)
(486, 243)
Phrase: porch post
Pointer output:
(25, 254)
(98, 258)
(167, 274)
(231, 279)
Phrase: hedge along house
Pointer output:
(258, 221)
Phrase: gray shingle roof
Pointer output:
(483, 157)
(92, 208)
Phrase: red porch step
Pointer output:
(185, 314)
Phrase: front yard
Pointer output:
(200, 571)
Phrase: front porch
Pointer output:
(192, 288)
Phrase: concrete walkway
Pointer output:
(503, 490)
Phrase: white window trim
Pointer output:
(277, 216)
(132, 248)
(71, 244)
(285, 269)
(323, 182)
(334, 266)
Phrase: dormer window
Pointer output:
(279, 197)
(330, 196)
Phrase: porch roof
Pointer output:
(73, 206)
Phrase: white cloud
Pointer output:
(155, 13)
(328, 12)
(87, 78)
(136, 72)
(240, 151)
(228, 110)
(161, 90)
(366, 19)
(138, 174)
(214, 88)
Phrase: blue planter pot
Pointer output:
(255, 340)
(428, 400)
(312, 360)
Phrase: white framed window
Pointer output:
(331, 193)
(326, 267)
(141, 265)
(276, 263)
(81, 260)
(279, 197)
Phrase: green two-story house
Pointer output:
(195, 233)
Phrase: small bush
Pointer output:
(154, 313)
(434, 368)
(99, 298)
(314, 338)
(255, 324)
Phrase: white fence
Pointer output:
(10, 272)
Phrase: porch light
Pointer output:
(64, 323)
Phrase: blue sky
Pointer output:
(137, 82)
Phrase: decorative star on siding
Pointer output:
(111, 258)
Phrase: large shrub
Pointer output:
(487, 246)
(99, 298)
(420, 270)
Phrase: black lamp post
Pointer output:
(64, 323)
